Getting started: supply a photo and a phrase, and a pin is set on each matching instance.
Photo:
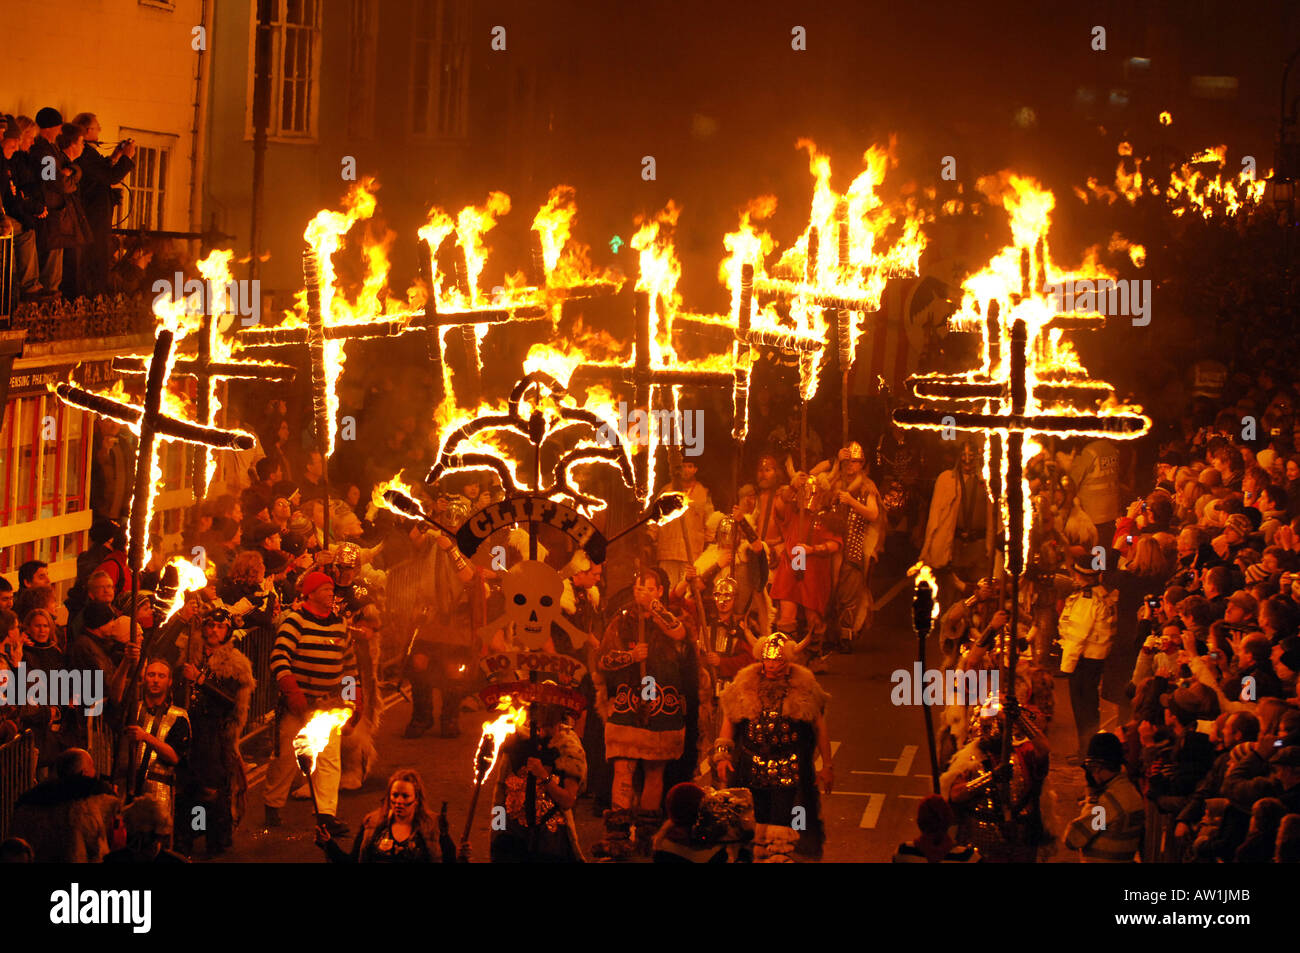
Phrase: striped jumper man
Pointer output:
(314, 665)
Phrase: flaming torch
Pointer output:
(925, 609)
(313, 739)
(495, 732)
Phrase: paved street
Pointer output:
(881, 763)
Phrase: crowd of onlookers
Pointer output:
(58, 197)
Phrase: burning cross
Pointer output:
(207, 372)
(646, 377)
(149, 422)
(1010, 414)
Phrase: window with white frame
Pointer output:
(286, 55)
(440, 69)
(145, 201)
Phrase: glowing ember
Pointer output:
(190, 578)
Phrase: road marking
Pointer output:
(817, 764)
(875, 803)
(903, 764)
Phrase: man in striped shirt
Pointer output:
(314, 665)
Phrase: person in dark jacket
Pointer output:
(1236, 728)
(20, 211)
(98, 176)
(399, 831)
(44, 157)
(1177, 766)
(68, 818)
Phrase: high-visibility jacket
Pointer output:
(1110, 829)
(1087, 625)
(1095, 472)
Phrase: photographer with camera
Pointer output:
(98, 176)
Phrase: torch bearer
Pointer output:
(489, 748)
(924, 609)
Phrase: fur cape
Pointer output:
(226, 661)
(66, 822)
(805, 700)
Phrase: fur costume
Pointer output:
(358, 754)
(231, 673)
(804, 701)
(66, 822)
(570, 762)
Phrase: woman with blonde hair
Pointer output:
(400, 831)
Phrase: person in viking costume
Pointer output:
(651, 669)
(539, 828)
(860, 521)
(958, 531)
(159, 737)
(773, 729)
(217, 682)
(978, 786)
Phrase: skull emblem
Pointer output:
(533, 601)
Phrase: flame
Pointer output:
(190, 578)
(924, 576)
(315, 735)
(1196, 185)
(510, 716)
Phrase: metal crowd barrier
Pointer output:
(8, 293)
(1159, 845)
(257, 645)
(17, 774)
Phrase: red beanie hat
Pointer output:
(313, 581)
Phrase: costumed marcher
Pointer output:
(159, 736)
(803, 578)
(1110, 826)
(729, 643)
(935, 845)
(538, 783)
(218, 682)
(312, 662)
(147, 826)
(441, 650)
(773, 729)
(765, 519)
(977, 786)
(861, 524)
(582, 606)
(675, 552)
(649, 663)
(958, 531)
(357, 749)
(400, 831)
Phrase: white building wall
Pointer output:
(131, 62)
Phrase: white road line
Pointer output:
(875, 803)
(835, 746)
(902, 764)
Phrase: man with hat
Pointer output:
(1236, 532)
(857, 504)
(1109, 828)
(773, 728)
(1087, 632)
(313, 663)
(18, 212)
(1178, 762)
(959, 528)
(217, 684)
(46, 155)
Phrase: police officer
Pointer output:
(1109, 828)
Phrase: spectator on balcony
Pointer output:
(112, 469)
(6, 594)
(20, 212)
(98, 197)
(130, 275)
(55, 151)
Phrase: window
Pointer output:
(146, 198)
(286, 56)
(45, 475)
(364, 36)
(440, 69)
